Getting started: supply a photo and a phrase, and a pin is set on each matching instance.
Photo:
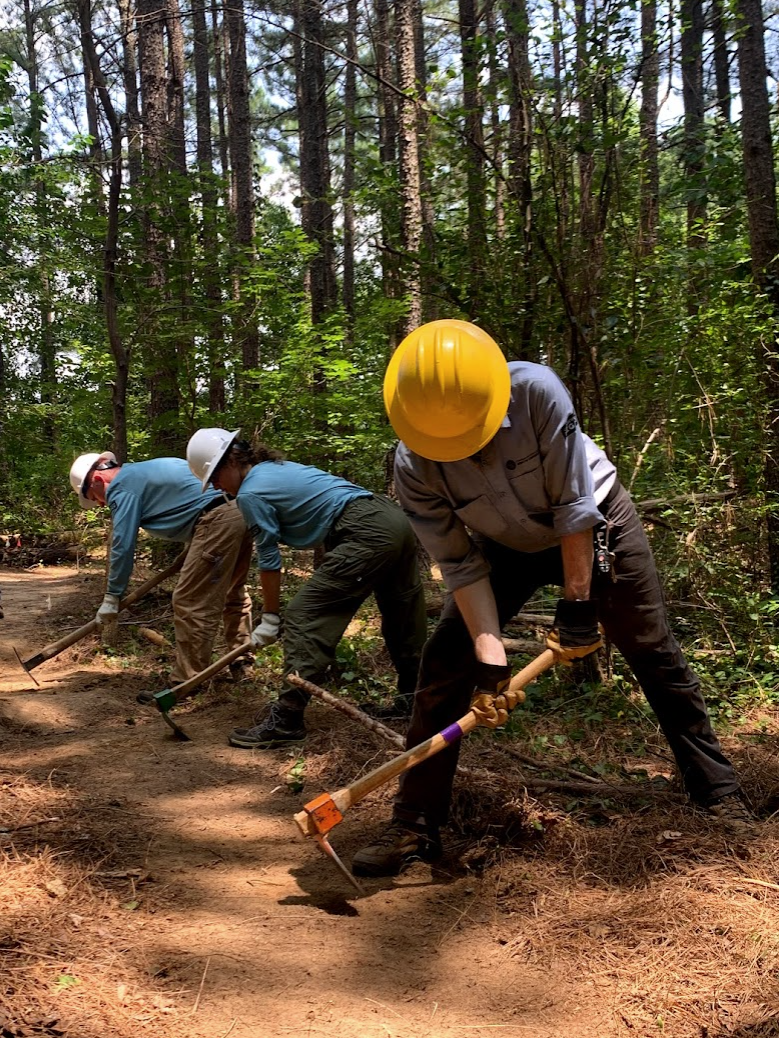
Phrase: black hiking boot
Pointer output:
(396, 847)
(278, 727)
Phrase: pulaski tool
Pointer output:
(321, 815)
(170, 697)
(48, 652)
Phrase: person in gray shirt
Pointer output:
(507, 494)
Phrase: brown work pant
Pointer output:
(212, 587)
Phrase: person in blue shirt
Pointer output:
(163, 497)
(369, 549)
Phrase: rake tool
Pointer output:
(321, 815)
(48, 652)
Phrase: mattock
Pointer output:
(321, 815)
(48, 652)
(170, 697)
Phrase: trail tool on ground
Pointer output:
(170, 697)
(48, 652)
(322, 814)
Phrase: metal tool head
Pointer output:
(27, 665)
(326, 847)
(165, 701)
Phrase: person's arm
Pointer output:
(126, 519)
(578, 556)
(270, 581)
(476, 603)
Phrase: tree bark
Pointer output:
(410, 185)
(241, 156)
(721, 70)
(209, 199)
(760, 185)
(160, 355)
(647, 121)
(474, 151)
(691, 14)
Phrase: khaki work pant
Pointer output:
(212, 587)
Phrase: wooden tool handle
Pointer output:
(186, 686)
(348, 796)
(55, 648)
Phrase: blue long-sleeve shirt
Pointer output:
(537, 480)
(284, 502)
(160, 495)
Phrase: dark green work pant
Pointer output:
(370, 549)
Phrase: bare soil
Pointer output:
(153, 887)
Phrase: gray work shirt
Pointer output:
(538, 479)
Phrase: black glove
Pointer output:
(577, 623)
(492, 677)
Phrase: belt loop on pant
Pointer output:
(215, 502)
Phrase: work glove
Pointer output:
(267, 632)
(109, 609)
(492, 697)
(576, 633)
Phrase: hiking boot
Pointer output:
(399, 708)
(279, 727)
(732, 814)
(396, 847)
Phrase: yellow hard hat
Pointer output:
(446, 390)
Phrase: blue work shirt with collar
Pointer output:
(538, 479)
(284, 502)
(160, 495)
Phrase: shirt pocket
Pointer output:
(482, 516)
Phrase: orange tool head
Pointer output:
(321, 816)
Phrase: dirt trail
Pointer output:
(215, 919)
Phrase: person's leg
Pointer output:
(201, 589)
(633, 613)
(443, 695)
(401, 600)
(237, 613)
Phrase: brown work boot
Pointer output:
(397, 846)
(732, 814)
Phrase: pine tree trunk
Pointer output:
(760, 185)
(350, 123)
(474, 151)
(209, 197)
(647, 121)
(161, 362)
(691, 15)
(388, 151)
(240, 137)
(721, 62)
(410, 186)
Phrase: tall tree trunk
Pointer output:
(474, 151)
(130, 82)
(350, 124)
(241, 153)
(160, 354)
(691, 14)
(209, 200)
(647, 121)
(46, 344)
(410, 186)
(316, 213)
(520, 156)
(760, 184)
(429, 309)
(388, 151)
(721, 69)
(217, 32)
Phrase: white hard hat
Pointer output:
(84, 466)
(206, 448)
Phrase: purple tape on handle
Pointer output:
(452, 733)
